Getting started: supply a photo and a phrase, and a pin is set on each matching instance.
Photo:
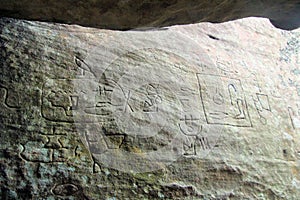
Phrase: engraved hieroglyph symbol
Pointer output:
(224, 104)
(262, 104)
(60, 101)
(294, 115)
(143, 114)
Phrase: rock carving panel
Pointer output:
(152, 112)
(48, 149)
(223, 104)
(60, 103)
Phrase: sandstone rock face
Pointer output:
(129, 14)
(188, 112)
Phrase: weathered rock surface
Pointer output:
(130, 14)
(188, 112)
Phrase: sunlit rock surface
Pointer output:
(188, 112)
(129, 14)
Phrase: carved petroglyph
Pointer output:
(84, 70)
(189, 148)
(34, 151)
(48, 149)
(10, 106)
(190, 125)
(64, 190)
(59, 129)
(256, 81)
(237, 102)
(291, 115)
(101, 104)
(56, 100)
(153, 98)
(191, 119)
(262, 104)
(114, 141)
(294, 115)
(141, 112)
(60, 102)
(223, 104)
(9, 99)
(96, 142)
(96, 167)
(194, 146)
(191, 122)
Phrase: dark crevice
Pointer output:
(213, 37)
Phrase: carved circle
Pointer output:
(151, 99)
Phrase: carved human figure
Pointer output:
(153, 98)
(190, 125)
(236, 102)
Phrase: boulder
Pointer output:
(202, 111)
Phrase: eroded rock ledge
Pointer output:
(131, 14)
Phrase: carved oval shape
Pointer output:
(65, 189)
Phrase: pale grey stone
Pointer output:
(198, 111)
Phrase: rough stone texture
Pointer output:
(188, 112)
(129, 14)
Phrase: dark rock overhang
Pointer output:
(132, 14)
